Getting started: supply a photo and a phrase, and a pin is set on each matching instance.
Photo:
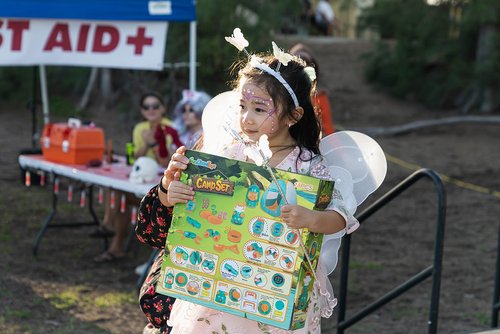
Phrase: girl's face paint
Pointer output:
(258, 114)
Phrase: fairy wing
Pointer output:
(356, 162)
(220, 116)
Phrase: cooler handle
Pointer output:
(65, 142)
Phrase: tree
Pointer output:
(444, 55)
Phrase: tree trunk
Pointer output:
(106, 86)
(485, 52)
(88, 89)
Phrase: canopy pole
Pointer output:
(34, 127)
(192, 55)
(45, 97)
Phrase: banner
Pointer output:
(111, 44)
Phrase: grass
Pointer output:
(482, 317)
(18, 314)
(65, 300)
(115, 299)
(81, 295)
(403, 312)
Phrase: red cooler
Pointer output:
(72, 143)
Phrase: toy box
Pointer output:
(227, 249)
(72, 143)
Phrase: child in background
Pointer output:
(269, 105)
(188, 113)
(321, 100)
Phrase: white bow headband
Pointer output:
(239, 41)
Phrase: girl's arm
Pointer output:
(327, 222)
(155, 211)
(153, 220)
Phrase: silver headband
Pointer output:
(256, 63)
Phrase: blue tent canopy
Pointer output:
(122, 10)
(109, 10)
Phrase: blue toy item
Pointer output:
(195, 258)
(230, 268)
(181, 279)
(302, 302)
(258, 227)
(264, 307)
(255, 247)
(193, 222)
(253, 196)
(246, 271)
(220, 297)
(278, 280)
(169, 280)
(272, 201)
(277, 229)
(182, 253)
(208, 265)
(210, 233)
(279, 305)
(190, 205)
(238, 214)
(291, 237)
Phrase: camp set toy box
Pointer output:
(227, 249)
(72, 142)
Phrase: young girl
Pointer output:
(277, 104)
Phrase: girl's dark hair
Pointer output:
(151, 94)
(306, 131)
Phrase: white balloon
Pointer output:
(221, 110)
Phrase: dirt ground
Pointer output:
(63, 291)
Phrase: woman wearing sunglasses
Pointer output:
(155, 137)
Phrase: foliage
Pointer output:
(215, 19)
(430, 52)
(257, 19)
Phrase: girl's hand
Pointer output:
(171, 177)
(327, 222)
(296, 216)
(179, 192)
(177, 163)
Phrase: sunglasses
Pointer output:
(187, 109)
(154, 106)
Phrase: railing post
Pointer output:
(344, 276)
(496, 290)
(434, 270)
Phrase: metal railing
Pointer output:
(496, 291)
(434, 270)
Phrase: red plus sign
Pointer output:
(139, 40)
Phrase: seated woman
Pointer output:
(155, 138)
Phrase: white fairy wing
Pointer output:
(220, 112)
(357, 162)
